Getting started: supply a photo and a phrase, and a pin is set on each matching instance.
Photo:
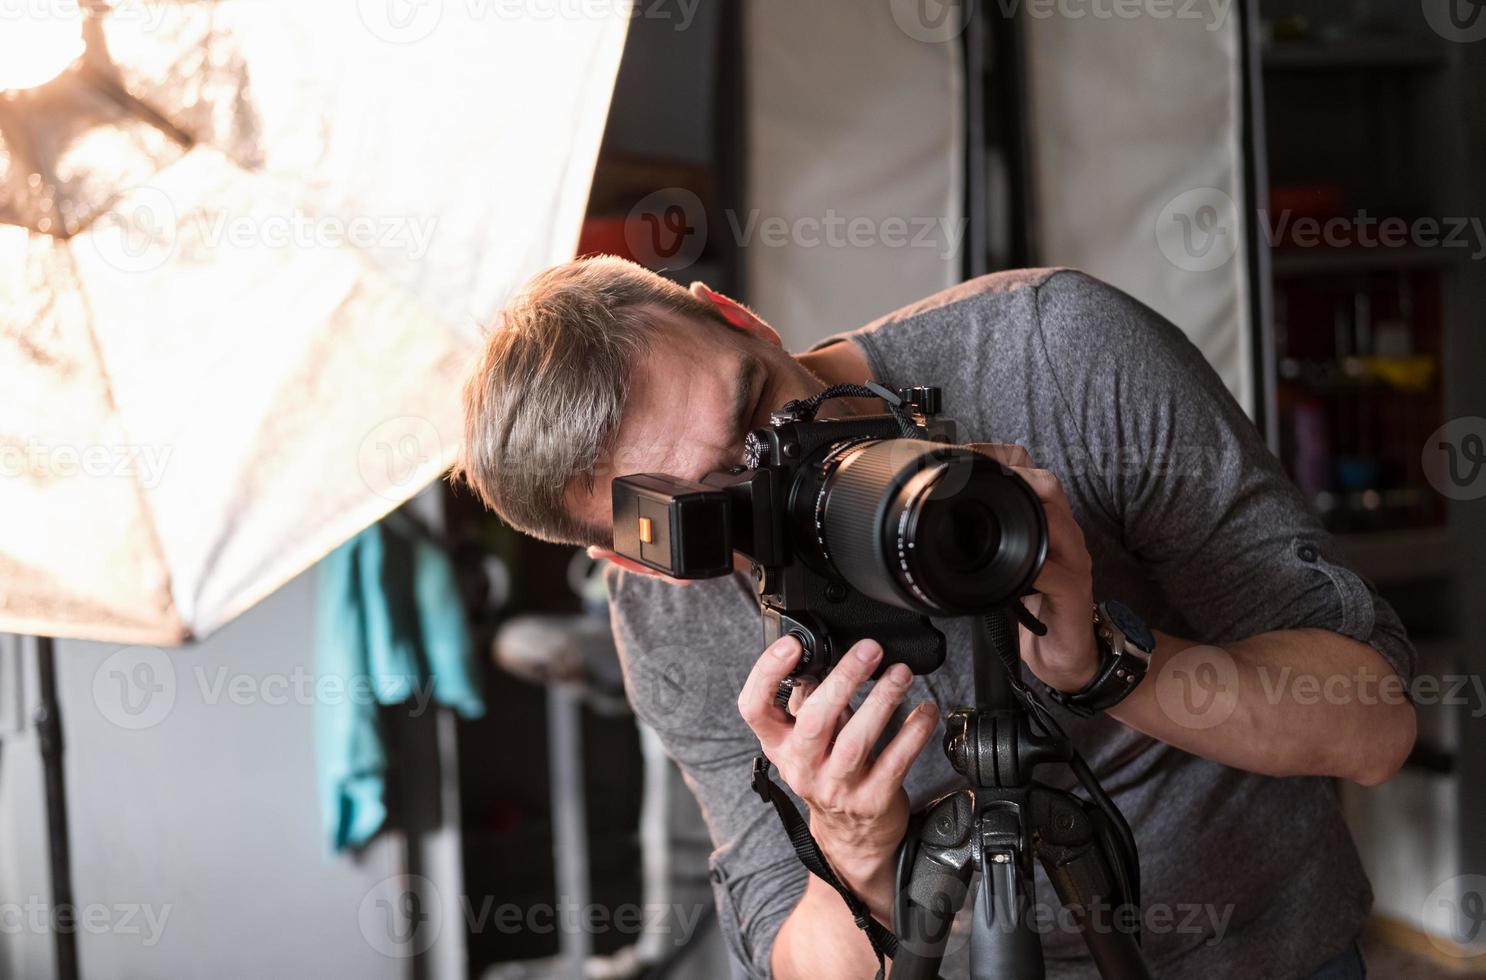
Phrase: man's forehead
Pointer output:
(679, 412)
(678, 415)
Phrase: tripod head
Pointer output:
(1001, 822)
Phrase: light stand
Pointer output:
(48, 720)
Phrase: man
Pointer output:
(1159, 493)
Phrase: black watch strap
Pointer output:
(1125, 646)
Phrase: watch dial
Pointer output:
(1134, 628)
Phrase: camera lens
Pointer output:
(940, 529)
(963, 532)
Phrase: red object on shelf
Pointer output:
(1319, 201)
(604, 235)
(1287, 205)
(665, 230)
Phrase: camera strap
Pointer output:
(805, 408)
(884, 943)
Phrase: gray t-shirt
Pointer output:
(1189, 520)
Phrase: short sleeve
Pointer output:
(1203, 505)
(686, 689)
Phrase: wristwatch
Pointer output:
(1125, 644)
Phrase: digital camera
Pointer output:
(859, 527)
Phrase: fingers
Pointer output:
(756, 701)
(888, 771)
(1044, 483)
(857, 737)
(1059, 581)
(800, 693)
(805, 746)
(1064, 537)
(816, 721)
(1062, 527)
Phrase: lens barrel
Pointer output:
(941, 529)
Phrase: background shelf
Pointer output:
(1399, 52)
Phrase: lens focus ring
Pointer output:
(940, 529)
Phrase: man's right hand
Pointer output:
(858, 808)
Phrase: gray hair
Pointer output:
(543, 402)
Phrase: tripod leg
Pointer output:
(1071, 851)
(1003, 940)
(938, 863)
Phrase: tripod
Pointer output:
(1001, 822)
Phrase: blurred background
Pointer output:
(277, 700)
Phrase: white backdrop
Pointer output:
(855, 113)
(854, 163)
(1137, 156)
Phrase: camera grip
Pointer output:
(914, 643)
(904, 638)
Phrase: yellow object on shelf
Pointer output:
(1414, 372)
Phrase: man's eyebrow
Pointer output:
(743, 403)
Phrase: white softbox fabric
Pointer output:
(249, 346)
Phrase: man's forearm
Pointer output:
(1291, 702)
(819, 940)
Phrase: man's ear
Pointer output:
(737, 314)
(629, 565)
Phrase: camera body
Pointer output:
(860, 527)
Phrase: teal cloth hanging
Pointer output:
(390, 628)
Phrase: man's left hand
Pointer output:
(1067, 657)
